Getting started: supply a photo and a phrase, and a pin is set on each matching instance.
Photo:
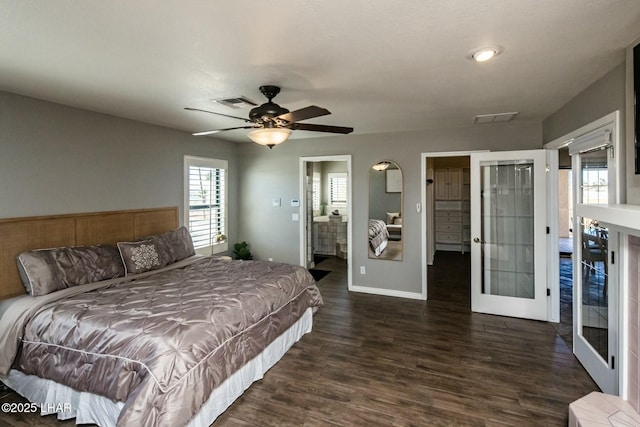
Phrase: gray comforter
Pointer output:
(162, 343)
(378, 234)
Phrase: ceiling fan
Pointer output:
(273, 124)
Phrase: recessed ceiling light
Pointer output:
(485, 53)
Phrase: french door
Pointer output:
(508, 231)
(595, 285)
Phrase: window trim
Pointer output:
(215, 164)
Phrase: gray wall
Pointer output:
(604, 96)
(265, 174)
(381, 202)
(56, 159)
(601, 98)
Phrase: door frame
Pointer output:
(427, 237)
(303, 208)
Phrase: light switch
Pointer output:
(275, 202)
(295, 217)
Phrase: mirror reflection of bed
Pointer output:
(385, 211)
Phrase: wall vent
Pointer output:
(236, 102)
(494, 118)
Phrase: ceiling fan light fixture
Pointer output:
(485, 53)
(380, 166)
(269, 136)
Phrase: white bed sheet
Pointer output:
(90, 408)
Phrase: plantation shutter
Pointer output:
(338, 189)
(206, 203)
(316, 191)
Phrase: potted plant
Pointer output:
(241, 251)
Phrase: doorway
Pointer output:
(325, 206)
(491, 299)
(446, 215)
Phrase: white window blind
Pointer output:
(338, 190)
(597, 139)
(206, 203)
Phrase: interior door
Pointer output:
(508, 230)
(595, 284)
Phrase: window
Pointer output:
(206, 203)
(595, 177)
(338, 190)
(594, 151)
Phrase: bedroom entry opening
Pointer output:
(325, 225)
(447, 213)
(485, 220)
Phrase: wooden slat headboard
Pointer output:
(21, 234)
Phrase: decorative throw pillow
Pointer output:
(397, 221)
(142, 256)
(391, 216)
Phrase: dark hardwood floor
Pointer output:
(382, 361)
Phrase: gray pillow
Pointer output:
(143, 255)
(48, 270)
(156, 251)
(179, 243)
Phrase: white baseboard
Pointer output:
(387, 292)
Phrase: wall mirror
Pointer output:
(385, 211)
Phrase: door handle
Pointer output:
(477, 240)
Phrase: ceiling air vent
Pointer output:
(236, 102)
(494, 118)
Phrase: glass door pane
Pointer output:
(594, 321)
(507, 228)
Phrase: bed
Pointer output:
(378, 236)
(166, 337)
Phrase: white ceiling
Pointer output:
(380, 66)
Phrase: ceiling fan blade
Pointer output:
(304, 114)
(211, 132)
(321, 128)
(218, 114)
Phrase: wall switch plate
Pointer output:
(295, 203)
(275, 202)
(363, 270)
(295, 217)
